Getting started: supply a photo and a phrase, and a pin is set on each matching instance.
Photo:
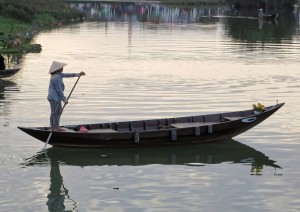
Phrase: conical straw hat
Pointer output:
(56, 66)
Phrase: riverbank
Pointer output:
(266, 4)
(178, 2)
(237, 3)
(21, 20)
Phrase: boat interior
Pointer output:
(164, 123)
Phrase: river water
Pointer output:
(150, 61)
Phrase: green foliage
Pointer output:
(28, 10)
(19, 10)
(43, 19)
(20, 18)
(65, 14)
(269, 3)
(9, 30)
(193, 2)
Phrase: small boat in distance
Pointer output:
(163, 131)
(261, 15)
(9, 72)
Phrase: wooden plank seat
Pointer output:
(232, 118)
(100, 130)
(191, 124)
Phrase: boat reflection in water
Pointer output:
(6, 88)
(192, 155)
(227, 150)
(5, 85)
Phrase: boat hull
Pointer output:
(9, 72)
(176, 131)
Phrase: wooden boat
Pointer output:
(9, 72)
(180, 130)
(261, 15)
(190, 155)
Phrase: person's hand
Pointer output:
(81, 73)
(65, 101)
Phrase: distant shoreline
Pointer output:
(204, 2)
(230, 3)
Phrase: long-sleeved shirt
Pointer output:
(57, 87)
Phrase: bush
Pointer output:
(19, 13)
(20, 19)
(27, 10)
(19, 10)
(65, 14)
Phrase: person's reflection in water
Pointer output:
(260, 23)
(56, 197)
(58, 192)
(2, 63)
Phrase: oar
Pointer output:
(48, 139)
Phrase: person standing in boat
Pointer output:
(56, 92)
(2, 63)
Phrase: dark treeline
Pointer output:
(238, 4)
(265, 4)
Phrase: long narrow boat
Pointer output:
(261, 15)
(270, 17)
(180, 130)
(9, 72)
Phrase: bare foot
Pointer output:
(58, 129)
(55, 129)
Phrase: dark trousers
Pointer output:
(56, 110)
